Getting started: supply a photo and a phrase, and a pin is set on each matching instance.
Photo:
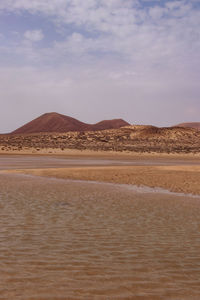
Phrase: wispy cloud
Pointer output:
(145, 50)
(34, 35)
(156, 35)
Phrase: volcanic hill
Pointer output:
(60, 132)
(137, 138)
(55, 122)
(195, 125)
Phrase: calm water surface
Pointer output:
(28, 161)
(72, 240)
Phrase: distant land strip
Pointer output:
(60, 132)
(138, 139)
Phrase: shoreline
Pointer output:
(178, 179)
(135, 188)
(174, 172)
(92, 153)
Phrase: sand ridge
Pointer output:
(181, 179)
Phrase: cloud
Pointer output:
(143, 36)
(129, 56)
(156, 34)
(34, 35)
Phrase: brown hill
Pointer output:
(195, 125)
(140, 138)
(54, 122)
(109, 124)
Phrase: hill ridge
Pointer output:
(56, 122)
(195, 125)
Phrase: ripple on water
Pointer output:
(72, 240)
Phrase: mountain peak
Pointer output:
(55, 122)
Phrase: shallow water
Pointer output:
(28, 161)
(71, 240)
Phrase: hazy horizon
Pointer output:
(138, 60)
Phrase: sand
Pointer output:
(91, 153)
(174, 172)
(184, 179)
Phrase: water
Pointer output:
(71, 240)
(28, 161)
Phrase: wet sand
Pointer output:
(61, 161)
(56, 152)
(61, 239)
(180, 179)
(175, 173)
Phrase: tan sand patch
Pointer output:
(185, 179)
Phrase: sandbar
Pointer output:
(180, 179)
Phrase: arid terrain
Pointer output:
(53, 132)
(55, 122)
(138, 154)
(129, 138)
(195, 125)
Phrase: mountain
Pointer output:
(109, 124)
(54, 122)
(195, 125)
(136, 138)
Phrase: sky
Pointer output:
(100, 59)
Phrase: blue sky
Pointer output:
(100, 59)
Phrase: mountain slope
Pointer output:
(137, 138)
(54, 122)
(195, 125)
(109, 124)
